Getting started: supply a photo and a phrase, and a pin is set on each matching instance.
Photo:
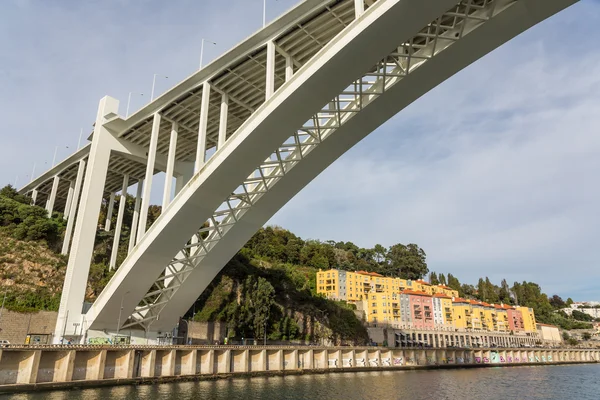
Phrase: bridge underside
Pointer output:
(244, 135)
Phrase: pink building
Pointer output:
(421, 309)
(515, 320)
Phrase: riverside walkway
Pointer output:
(27, 368)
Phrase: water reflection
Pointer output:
(554, 383)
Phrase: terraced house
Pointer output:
(418, 305)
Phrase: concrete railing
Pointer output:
(54, 366)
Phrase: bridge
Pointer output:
(240, 137)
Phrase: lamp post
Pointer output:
(202, 50)
(129, 98)
(120, 312)
(79, 141)
(154, 83)
(265, 13)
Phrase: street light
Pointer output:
(265, 13)
(129, 99)
(120, 311)
(55, 152)
(154, 83)
(202, 50)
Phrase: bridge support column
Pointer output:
(78, 268)
(119, 225)
(69, 200)
(270, 78)
(359, 8)
(223, 121)
(109, 213)
(52, 199)
(149, 175)
(170, 166)
(136, 216)
(73, 207)
(34, 194)
(202, 127)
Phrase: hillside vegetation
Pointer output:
(269, 283)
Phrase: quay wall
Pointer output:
(29, 368)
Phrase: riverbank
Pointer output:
(50, 368)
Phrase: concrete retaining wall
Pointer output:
(29, 368)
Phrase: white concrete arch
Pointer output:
(396, 80)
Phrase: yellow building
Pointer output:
(477, 315)
(379, 297)
(501, 317)
(445, 290)
(461, 310)
(528, 319)
(382, 308)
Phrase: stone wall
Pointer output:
(15, 326)
(203, 332)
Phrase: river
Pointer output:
(573, 382)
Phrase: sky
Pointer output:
(493, 173)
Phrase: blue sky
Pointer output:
(494, 173)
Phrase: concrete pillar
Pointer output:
(244, 361)
(149, 175)
(28, 368)
(168, 363)
(263, 360)
(280, 360)
(359, 8)
(136, 216)
(64, 369)
(69, 200)
(52, 198)
(119, 225)
(148, 362)
(289, 67)
(73, 207)
(109, 213)
(170, 166)
(75, 284)
(98, 366)
(125, 364)
(202, 128)
(293, 363)
(227, 362)
(306, 359)
(34, 194)
(188, 362)
(270, 78)
(223, 121)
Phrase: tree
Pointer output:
(407, 262)
(569, 302)
(262, 298)
(380, 253)
(442, 279)
(504, 292)
(433, 278)
(453, 282)
(581, 316)
(557, 302)
(11, 193)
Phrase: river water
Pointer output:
(574, 382)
